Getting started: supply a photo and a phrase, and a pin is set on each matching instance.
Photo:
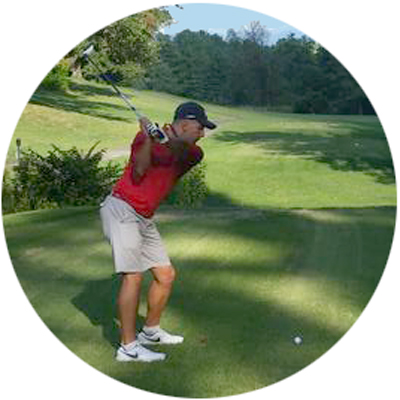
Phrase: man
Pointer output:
(126, 215)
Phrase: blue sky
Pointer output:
(216, 18)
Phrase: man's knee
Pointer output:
(132, 278)
(164, 275)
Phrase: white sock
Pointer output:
(151, 330)
(129, 346)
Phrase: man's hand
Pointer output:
(153, 131)
(144, 124)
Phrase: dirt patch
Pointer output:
(117, 153)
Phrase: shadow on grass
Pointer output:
(89, 89)
(98, 302)
(362, 148)
(72, 102)
(335, 257)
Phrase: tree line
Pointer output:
(294, 74)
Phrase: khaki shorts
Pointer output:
(135, 240)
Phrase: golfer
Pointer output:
(126, 214)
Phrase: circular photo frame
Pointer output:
(199, 206)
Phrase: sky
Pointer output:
(217, 19)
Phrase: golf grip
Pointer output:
(154, 131)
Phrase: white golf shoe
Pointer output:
(138, 353)
(159, 337)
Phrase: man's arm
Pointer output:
(186, 154)
(177, 145)
(142, 155)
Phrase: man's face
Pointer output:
(191, 131)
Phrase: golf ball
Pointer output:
(298, 340)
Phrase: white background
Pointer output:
(36, 34)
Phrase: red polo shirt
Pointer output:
(146, 194)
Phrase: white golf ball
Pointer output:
(298, 340)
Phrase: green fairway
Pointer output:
(255, 157)
(289, 161)
(249, 280)
(293, 239)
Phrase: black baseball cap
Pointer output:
(194, 111)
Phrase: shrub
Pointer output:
(70, 178)
(58, 77)
(62, 178)
(7, 197)
(191, 191)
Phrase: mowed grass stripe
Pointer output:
(254, 158)
(266, 276)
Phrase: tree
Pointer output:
(295, 73)
(256, 33)
(125, 48)
(345, 95)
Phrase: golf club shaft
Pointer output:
(153, 130)
(115, 87)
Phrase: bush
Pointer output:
(62, 178)
(70, 178)
(58, 77)
(191, 191)
(7, 197)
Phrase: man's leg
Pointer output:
(128, 304)
(159, 292)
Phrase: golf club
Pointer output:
(153, 129)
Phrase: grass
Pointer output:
(248, 282)
(254, 158)
(293, 240)
(289, 161)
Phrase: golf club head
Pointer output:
(88, 51)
